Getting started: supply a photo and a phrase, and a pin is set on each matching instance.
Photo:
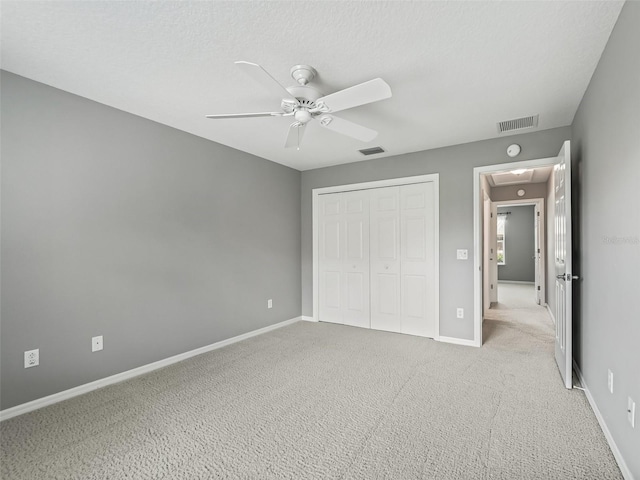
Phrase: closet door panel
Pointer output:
(331, 241)
(355, 267)
(385, 259)
(413, 289)
(332, 289)
(415, 241)
(417, 259)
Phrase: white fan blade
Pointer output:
(249, 115)
(295, 135)
(350, 129)
(265, 79)
(367, 92)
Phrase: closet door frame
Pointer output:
(315, 194)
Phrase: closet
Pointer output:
(377, 258)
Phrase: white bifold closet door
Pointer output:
(403, 260)
(377, 259)
(385, 259)
(344, 250)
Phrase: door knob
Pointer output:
(568, 277)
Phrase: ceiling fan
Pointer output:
(304, 102)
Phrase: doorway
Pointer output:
(559, 275)
(520, 245)
(486, 207)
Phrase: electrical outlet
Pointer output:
(96, 343)
(460, 312)
(32, 358)
(270, 303)
(631, 412)
(610, 381)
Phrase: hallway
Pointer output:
(516, 312)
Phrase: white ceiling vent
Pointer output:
(518, 124)
(371, 151)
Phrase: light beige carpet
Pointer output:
(322, 401)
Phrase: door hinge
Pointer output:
(538, 250)
(538, 213)
(538, 287)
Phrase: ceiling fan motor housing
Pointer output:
(304, 92)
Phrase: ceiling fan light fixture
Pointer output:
(302, 115)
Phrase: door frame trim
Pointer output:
(391, 182)
(477, 232)
(540, 203)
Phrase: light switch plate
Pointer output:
(463, 254)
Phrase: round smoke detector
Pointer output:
(513, 150)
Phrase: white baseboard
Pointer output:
(517, 282)
(553, 319)
(458, 341)
(626, 473)
(119, 377)
(308, 319)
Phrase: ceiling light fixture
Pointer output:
(519, 171)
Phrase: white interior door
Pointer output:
(564, 277)
(356, 261)
(493, 254)
(486, 247)
(537, 256)
(331, 257)
(417, 260)
(344, 258)
(385, 259)
(377, 258)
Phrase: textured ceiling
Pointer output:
(455, 68)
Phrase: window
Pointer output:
(501, 245)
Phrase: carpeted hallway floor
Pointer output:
(322, 401)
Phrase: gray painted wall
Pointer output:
(455, 165)
(606, 154)
(118, 226)
(519, 244)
